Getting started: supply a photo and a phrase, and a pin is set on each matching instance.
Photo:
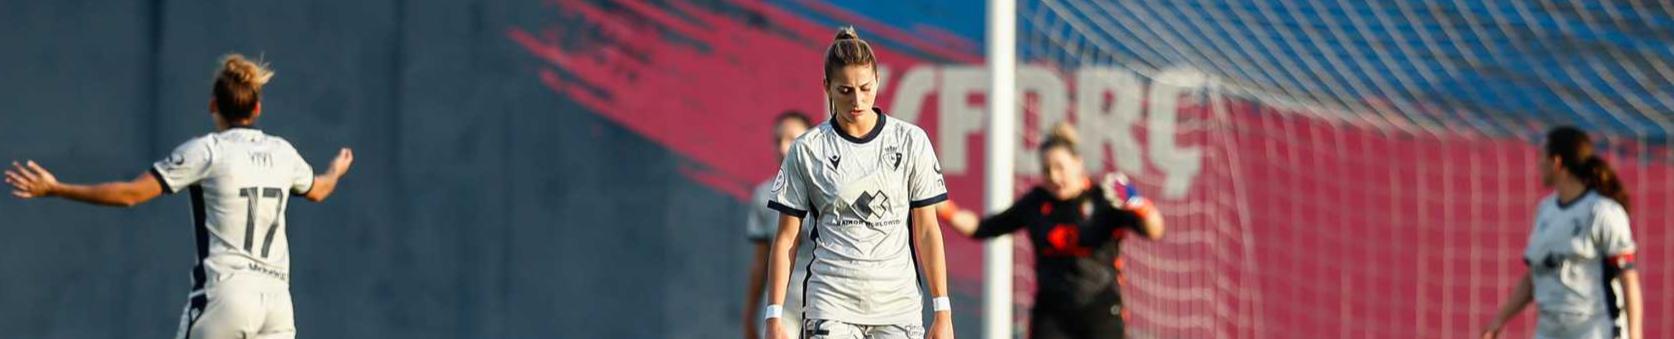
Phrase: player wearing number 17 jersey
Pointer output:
(240, 181)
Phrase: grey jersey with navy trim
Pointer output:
(1568, 252)
(241, 181)
(858, 191)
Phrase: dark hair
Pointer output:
(793, 115)
(1574, 150)
(238, 87)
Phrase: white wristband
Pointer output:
(941, 304)
(773, 311)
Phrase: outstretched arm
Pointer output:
(1151, 221)
(325, 183)
(968, 223)
(29, 180)
(1124, 196)
(959, 219)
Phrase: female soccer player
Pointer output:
(1076, 228)
(238, 177)
(871, 184)
(1580, 255)
(759, 229)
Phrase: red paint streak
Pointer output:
(716, 181)
(703, 84)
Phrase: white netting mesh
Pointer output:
(1368, 168)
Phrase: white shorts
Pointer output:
(241, 306)
(832, 329)
(1565, 325)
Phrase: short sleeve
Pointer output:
(925, 186)
(759, 222)
(302, 175)
(1613, 232)
(188, 164)
(790, 187)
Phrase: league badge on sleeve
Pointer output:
(779, 182)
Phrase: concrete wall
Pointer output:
(481, 205)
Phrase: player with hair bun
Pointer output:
(240, 180)
(869, 185)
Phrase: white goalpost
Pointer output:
(998, 172)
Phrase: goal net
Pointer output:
(1349, 169)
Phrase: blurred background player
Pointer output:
(1580, 254)
(870, 184)
(1076, 228)
(759, 227)
(239, 178)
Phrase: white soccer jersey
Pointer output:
(1568, 252)
(858, 192)
(240, 181)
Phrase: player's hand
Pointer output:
(1123, 195)
(776, 329)
(1492, 332)
(1141, 206)
(941, 327)
(29, 180)
(1117, 189)
(340, 165)
(964, 221)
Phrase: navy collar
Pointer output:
(1566, 204)
(876, 129)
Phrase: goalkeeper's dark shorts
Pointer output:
(1101, 319)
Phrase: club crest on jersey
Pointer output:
(892, 158)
